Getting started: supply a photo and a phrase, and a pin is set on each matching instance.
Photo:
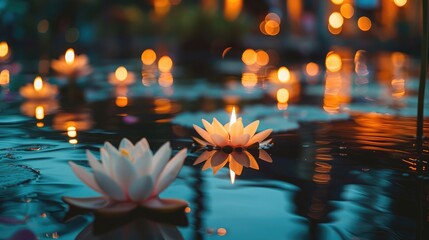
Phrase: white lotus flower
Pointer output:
(129, 177)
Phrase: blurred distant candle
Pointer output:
(148, 57)
(72, 65)
(121, 77)
(232, 9)
(38, 90)
(283, 74)
(4, 78)
(282, 98)
(4, 51)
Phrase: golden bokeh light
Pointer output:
(121, 101)
(400, 3)
(163, 105)
(398, 87)
(4, 49)
(262, 58)
(69, 56)
(73, 141)
(39, 112)
(272, 16)
(347, 10)
(282, 95)
(334, 31)
(249, 80)
(232, 9)
(165, 79)
(148, 57)
(336, 20)
(249, 57)
(38, 83)
(161, 7)
(121, 73)
(71, 131)
(271, 27)
(312, 69)
(283, 74)
(165, 64)
(4, 77)
(40, 124)
(364, 24)
(337, 2)
(333, 62)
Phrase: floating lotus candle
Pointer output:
(121, 77)
(39, 90)
(72, 65)
(130, 177)
(232, 134)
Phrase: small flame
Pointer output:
(69, 57)
(121, 73)
(71, 131)
(38, 83)
(39, 112)
(233, 117)
(232, 176)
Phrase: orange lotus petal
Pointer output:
(204, 156)
(236, 129)
(217, 168)
(200, 141)
(240, 140)
(251, 128)
(263, 155)
(253, 162)
(219, 129)
(241, 158)
(259, 137)
(203, 134)
(208, 126)
(218, 158)
(219, 140)
(235, 166)
(207, 164)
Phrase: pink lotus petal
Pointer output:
(218, 158)
(259, 137)
(160, 159)
(265, 156)
(88, 203)
(251, 128)
(109, 186)
(208, 126)
(170, 172)
(203, 133)
(219, 129)
(105, 159)
(219, 140)
(204, 156)
(143, 162)
(111, 150)
(118, 207)
(141, 188)
(201, 142)
(125, 173)
(126, 144)
(85, 177)
(142, 147)
(166, 205)
(241, 158)
(93, 162)
(240, 140)
(236, 129)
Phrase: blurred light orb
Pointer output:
(272, 16)
(333, 62)
(121, 101)
(262, 58)
(249, 80)
(4, 49)
(43, 26)
(148, 57)
(336, 20)
(249, 57)
(121, 73)
(39, 112)
(312, 69)
(364, 24)
(38, 83)
(334, 31)
(283, 74)
(337, 2)
(347, 10)
(282, 95)
(272, 27)
(4, 77)
(69, 56)
(400, 3)
(165, 64)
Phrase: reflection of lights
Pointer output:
(39, 112)
(336, 20)
(334, 31)
(148, 57)
(333, 62)
(38, 84)
(400, 3)
(221, 232)
(40, 124)
(188, 210)
(73, 141)
(166, 79)
(4, 77)
(4, 49)
(398, 88)
(162, 106)
(398, 59)
(71, 131)
(364, 24)
(283, 74)
(69, 56)
(232, 9)
(121, 73)
(232, 176)
(121, 101)
(249, 57)
(337, 2)
(282, 95)
(347, 10)
(249, 80)
(312, 69)
(331, 100)
(262, 58)
(165, 64)
(43, 26)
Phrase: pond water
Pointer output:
(343, 164)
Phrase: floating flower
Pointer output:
(217, 159)
(232, 134)
(39, 90)
(130, 177)
(72, 65)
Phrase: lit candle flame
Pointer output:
(38, 83)
(69, 57)
(121, 73)
(232, 176)
(71, 131)
(39, 112)
(233, 117)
